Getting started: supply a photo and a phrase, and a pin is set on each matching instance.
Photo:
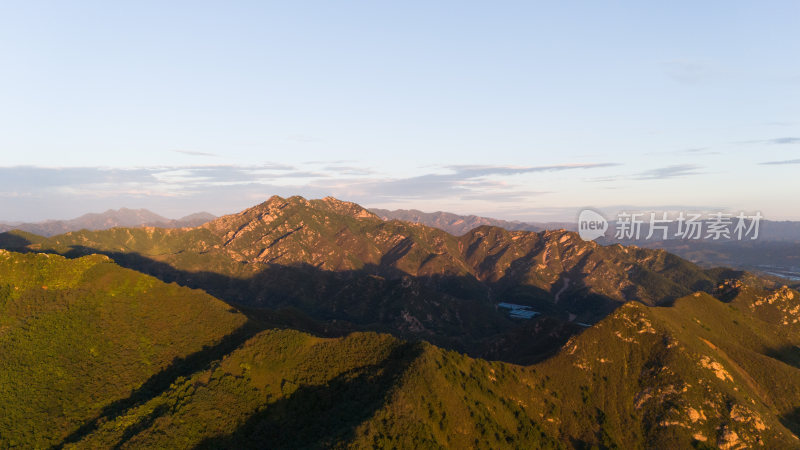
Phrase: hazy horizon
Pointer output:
(516, 111)
(550, 215)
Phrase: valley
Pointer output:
(339, 329)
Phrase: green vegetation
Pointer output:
(334, 260)
(98, 356)
(79, 335)
(95, 355)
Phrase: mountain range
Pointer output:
(335, 260)
(123, 217)
(317, 324)
(769, 230)
(775, 252)
(453, 223)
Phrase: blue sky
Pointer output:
(519, 110)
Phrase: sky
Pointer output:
(516, 110)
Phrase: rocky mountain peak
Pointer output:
(295, 208)
(345, 208)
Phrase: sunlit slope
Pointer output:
(698, 372)
(285, 389)
(98, 356)
(642, 378)
(334, 260)
(79, 335)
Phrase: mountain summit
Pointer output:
(334, 260)
(100, 356)
(622, 346)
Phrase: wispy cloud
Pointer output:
(775, 141)
(460, 181)
(780, 163)
(701, 151)
(230, 188)
(687, 151)
(660, 173)
(508, 197)
(780, 123)
(348, 170)
(673, 171)
(608, 179)
(474, 171)
(173, 179)
(193, 153)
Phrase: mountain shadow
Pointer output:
(14, 241)
(787, 354)
(161, 381)
(455, 312)
(791, 421)
(322, 416)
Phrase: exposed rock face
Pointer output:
(687, 372)
(698, 369)
(335, 260)
(322, 233)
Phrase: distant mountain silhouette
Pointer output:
(457, 225)
(123, 217)
(322, 342)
